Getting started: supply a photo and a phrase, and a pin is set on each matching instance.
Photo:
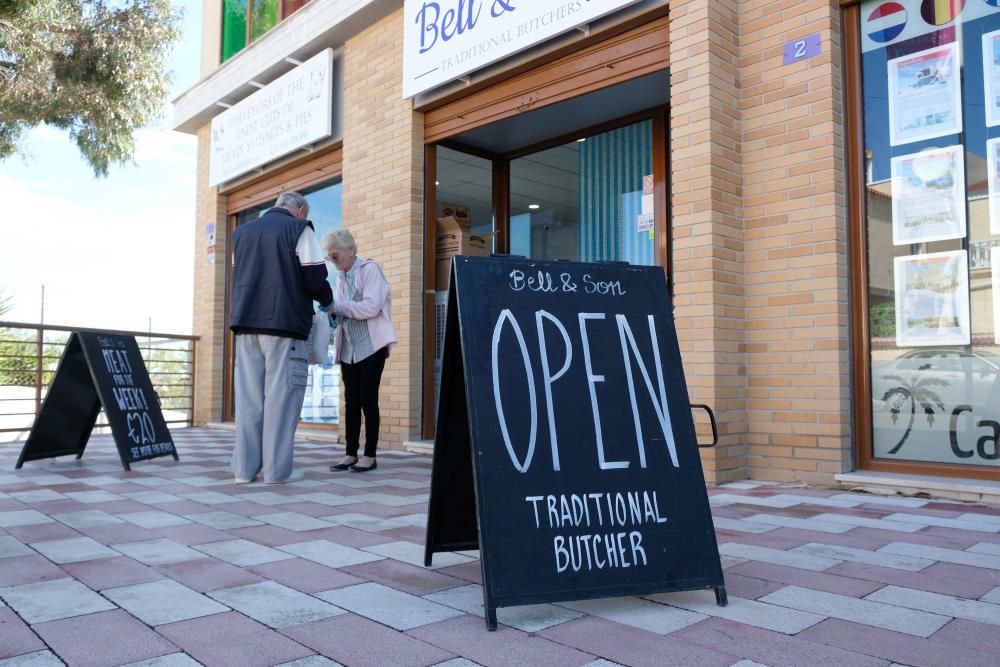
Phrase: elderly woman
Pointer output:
(364, 336)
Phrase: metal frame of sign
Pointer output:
(456, 519)
(52, 422)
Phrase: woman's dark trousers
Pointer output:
(361, 382)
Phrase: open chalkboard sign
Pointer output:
(95, 370)
(565, 447)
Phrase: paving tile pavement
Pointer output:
(171, 565)
(358, 642)
(161, 602)
(388, 606)
(107, 638)
(275, 605)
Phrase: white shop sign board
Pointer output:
(293, 111)
(444, 40)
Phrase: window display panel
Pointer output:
(924, 95)
(931, 95)
(928, 196)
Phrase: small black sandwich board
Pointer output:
(95, 370)
(565, 447)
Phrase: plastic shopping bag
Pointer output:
(319, 338)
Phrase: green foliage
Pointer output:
(169, 368)
(19, 350)
(17, 358)
(96, 68)
(882, 320)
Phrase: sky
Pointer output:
(114, 252)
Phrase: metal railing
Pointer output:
(30, 353)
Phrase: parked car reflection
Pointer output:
(965, 376)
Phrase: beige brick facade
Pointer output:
(759, 234)
(795, 239)
(209, 300)
(383, 209)
(708, 253)
(209, 292)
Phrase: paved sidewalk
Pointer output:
(172, 565)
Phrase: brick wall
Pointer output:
(795, 238)
(759, 229)
(383, 204)
(708, 253)
(209, 291)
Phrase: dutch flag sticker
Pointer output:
(886, 22)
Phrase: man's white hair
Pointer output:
(291, 200)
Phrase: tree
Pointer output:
(96, 68)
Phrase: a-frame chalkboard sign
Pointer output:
(565, 447)
(95, 370)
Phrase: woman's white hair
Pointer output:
(340, 238)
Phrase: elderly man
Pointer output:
(278, 271)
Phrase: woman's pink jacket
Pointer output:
(373, 301)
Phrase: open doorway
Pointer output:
(583, 180)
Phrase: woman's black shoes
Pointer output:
(342, 465)
(353, 465)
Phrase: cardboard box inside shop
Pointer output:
(455, 238)
(461, 213)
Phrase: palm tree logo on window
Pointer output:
(916, 390)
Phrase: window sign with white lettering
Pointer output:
(444, 40)
(565, 447)
(293, 111)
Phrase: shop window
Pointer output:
(463, 194)
(464, 191)
(322, 398)
(266, 14)
(243, 21)
(588, 200)
(289, 6)
(931, 96)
